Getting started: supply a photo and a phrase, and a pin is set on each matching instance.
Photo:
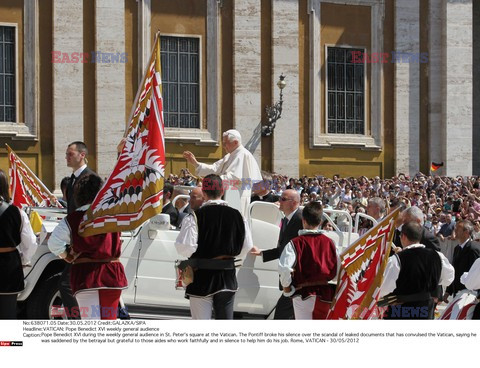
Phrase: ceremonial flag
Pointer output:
(361, 273)
(134, 191)
(26, 189)
(461, 307)
(434, 166)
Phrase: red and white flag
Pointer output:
(134, 191)
(26, 189)
(361, 274)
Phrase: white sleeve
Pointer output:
(390, 276)
(248, 242)
(205, 169)
(60, 237)
(285, 265)
(448, 272)
(186, 242)
(471, 279)
(28, 244)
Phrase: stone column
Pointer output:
(247, 77)
(458, 89)
(436, 76)
(285, 60)
(31, 66)
(110, 78)
(476, 88)
(407, 87)
(144, 29)
(67, 82)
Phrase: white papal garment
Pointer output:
(239, 171)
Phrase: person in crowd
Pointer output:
(214, 232)
(446, 230)
(465, 254)
(290, 226)
(97, 275)
(196, 199)
(168, 207)
(262, 191)
(76, 157)
(376, 208)
(414, 214)
(327, 226)
(238, 168)
(17, 246)
(413, 275)
(306, 265)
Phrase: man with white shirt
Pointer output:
(76, 157)
(465, 254)
(238, 170)
(212, 237)
(471, 279)
(290, 226)
(412, 275)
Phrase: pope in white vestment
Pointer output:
(238, 170)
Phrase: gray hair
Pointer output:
(379, 202)
(415, 214)
(233, 135)
(467, 225)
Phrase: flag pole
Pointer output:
(39, 182)
(140, 87)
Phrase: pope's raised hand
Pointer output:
(190, 157)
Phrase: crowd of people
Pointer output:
(443, 200)
(214, 231)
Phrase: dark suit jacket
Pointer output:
(173, 212)
(462, 261)
(71, 206)
(287, 234)
(428, 239)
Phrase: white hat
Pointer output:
(233, 134)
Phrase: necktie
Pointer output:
(284, 224)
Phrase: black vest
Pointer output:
(71, 205)
(221, 232)
(420, 270)
(10, 227)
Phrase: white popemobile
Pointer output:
(149, 255)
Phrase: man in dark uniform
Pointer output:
(76, 157)
(464, 256)
(412, 275)
(290, 226)
(415, 214)
(168, 207)
(212, 237)
(262, 191)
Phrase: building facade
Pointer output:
(374, 87)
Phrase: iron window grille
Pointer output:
(7, 74)
(345, 92)
(180, 81)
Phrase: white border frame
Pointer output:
(324, 140)
(364, 90)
